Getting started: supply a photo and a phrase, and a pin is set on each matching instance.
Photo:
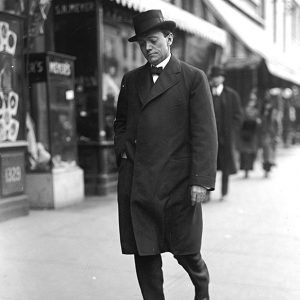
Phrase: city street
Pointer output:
(251, 245)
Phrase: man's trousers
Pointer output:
(150, 275)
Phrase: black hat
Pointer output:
(216, 71)
(148, 20)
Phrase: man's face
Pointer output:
(155, 46)
(216, 81)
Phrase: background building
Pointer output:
(263, 39)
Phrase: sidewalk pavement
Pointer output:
(251, 245)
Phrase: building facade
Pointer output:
(262, 43)
(38, 146)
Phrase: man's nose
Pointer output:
(148, 45)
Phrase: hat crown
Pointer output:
(148, 15)
(217, 71)
(148, 20)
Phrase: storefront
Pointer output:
(13, 199)
(252, 61)
(96, 33)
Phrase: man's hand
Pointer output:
(198, 194)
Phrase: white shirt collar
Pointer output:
(218, 90)
(164, 62)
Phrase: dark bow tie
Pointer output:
(155, 70)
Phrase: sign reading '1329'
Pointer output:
(12, 173)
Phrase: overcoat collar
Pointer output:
(168, 78)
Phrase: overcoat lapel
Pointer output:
(226, 107)
(144, 83)
(168, 78)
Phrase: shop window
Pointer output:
(12, 106)
(51, 125)
(17, 7)
(114, 48)
(119, 57)
(80, 41)
(110, 92)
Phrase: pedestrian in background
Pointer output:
(286, 121)
(249, 137)
(269, 129)
(229, 116)
(166, 150)
(288, 117)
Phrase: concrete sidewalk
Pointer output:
(251, 245)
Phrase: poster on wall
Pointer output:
(11, 100)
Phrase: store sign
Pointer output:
(39, 67)
(12, 173)
(60, 68)
(36, 68)
(74, 8)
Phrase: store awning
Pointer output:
(256, 39)
(184, 20)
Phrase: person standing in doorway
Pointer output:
(166, 150)
(229, 117)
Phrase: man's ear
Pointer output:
(170, 39)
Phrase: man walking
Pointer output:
(166, 150)
(229, 117)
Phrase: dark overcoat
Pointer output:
(249, 135)
(168, 133)
(231, 120)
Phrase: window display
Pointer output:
(11, 84)
(52, 127)
(76, 34)
(119, 57)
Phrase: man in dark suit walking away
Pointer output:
(166, 150)
(229, 116)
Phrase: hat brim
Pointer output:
(217, 75)
(169, 25)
